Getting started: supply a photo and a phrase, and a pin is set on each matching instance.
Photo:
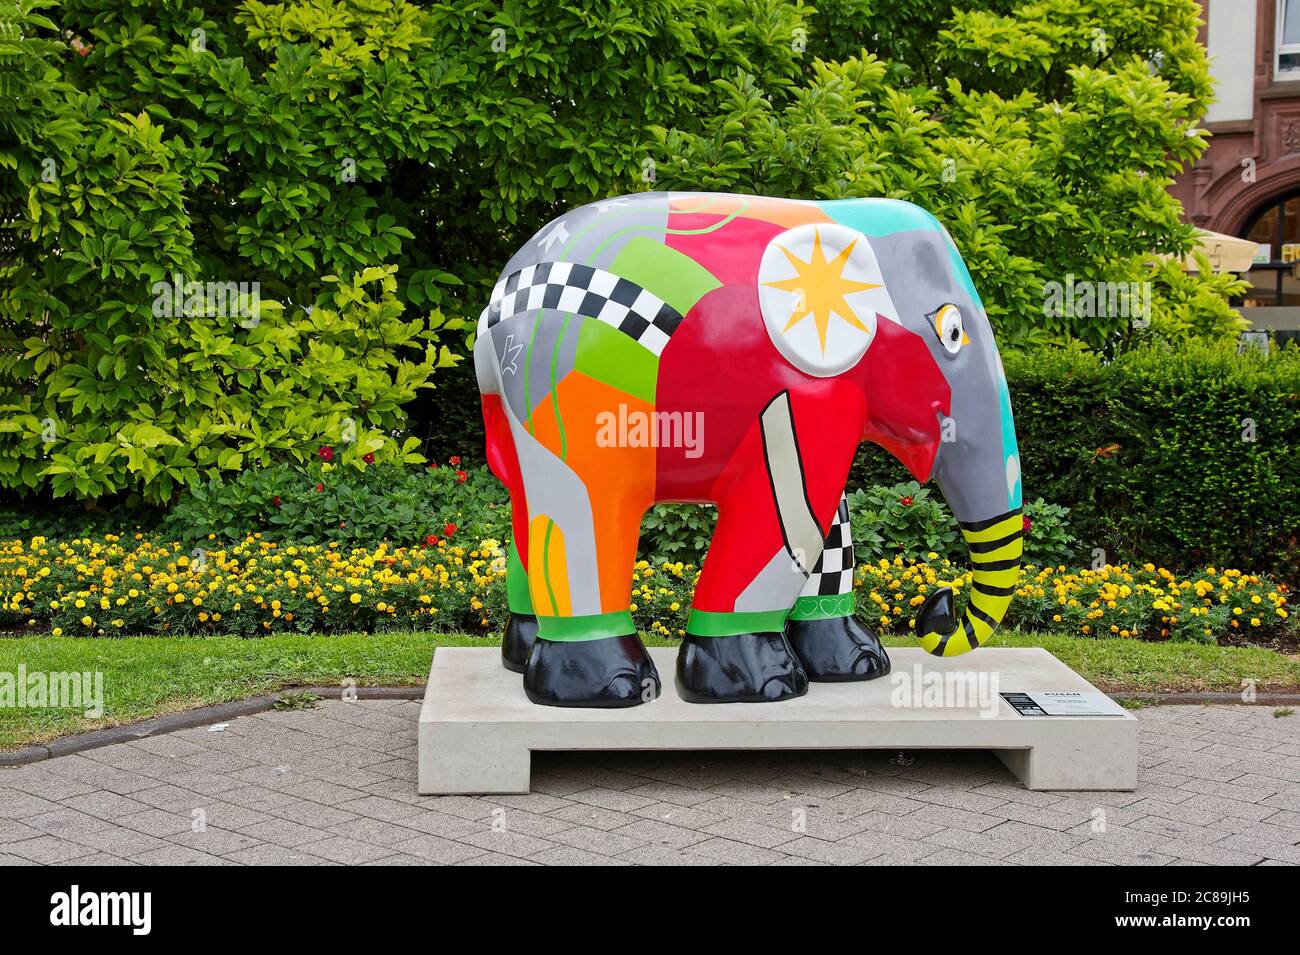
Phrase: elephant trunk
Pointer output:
(995, 545)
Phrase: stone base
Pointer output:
(478, 731)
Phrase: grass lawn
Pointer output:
(149, 676)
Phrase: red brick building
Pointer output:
(1248, 182)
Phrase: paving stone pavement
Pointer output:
(336, 786)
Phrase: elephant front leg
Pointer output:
(735, 650)
(831, 643)
(779, 494)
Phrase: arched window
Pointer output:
(1276, 228)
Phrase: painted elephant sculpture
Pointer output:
(735, 350)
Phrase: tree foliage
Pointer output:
(1043, 134)
(370, 164)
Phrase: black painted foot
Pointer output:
(743, 668)
(608, 673)
(517, 641)
(837, 649)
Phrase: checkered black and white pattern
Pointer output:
(583, 290)
(833, 574)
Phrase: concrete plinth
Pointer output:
(478, 730)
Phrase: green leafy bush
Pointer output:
(66, 519)
(910, 521)
(356, 505)
(410, 149)
(407, 149)
(677, 532)
(903, 520)
(1048, 539)
(1044, 136)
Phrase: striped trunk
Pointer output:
(995, 547)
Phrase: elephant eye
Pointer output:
(948, 326)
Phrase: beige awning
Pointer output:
(1226, 253)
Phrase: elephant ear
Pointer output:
(822, 294)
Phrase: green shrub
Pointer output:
(410, 149)
(366, 504)
(355, 505)
(904, 520)
(912, 522)
(677, 532)
(64, 519)
(1048, 539)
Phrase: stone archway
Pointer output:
(1238, 204)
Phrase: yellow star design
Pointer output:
(821, 286)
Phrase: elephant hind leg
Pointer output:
(521, 623)
(586, 659)
(585, 502)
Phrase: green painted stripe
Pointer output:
(555, 398)
(518, 599)
(596, 626)
(546, 566)
(707, 623)
(675, 277)
(822, 607)
(878, 217)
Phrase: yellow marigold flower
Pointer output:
(355, 598)
(87, 622)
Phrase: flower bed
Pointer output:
(111, 585)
